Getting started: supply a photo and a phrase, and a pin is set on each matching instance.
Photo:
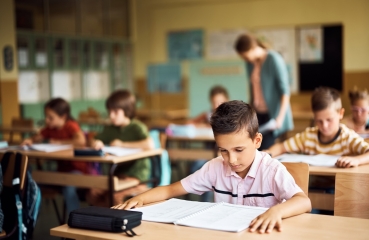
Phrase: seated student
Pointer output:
(217, 96)
(329, 136)
(127, 132)
(359, 120)
(61, 128)
(242, 175)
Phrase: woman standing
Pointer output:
(270, 89)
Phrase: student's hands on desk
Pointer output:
(267, 221)
(134, 202)
(346, 162)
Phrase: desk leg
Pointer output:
(111, 183)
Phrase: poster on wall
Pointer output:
(311, 45)
(282, 40)
(183, 45)
(220, 43)
(164, 77)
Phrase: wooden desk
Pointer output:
(305, 226)
(107, 182)
(180, 153)
(327, 201)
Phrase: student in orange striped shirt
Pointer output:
(328, 136)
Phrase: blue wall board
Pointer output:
(185, 44)
(203, 75)
(164, 77)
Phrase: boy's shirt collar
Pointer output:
(253, 169)
(333, 139)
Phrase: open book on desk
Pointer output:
(116, 151)
(321, 160)
(215, 216)
(42, 147)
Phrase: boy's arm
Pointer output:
(298, 204)
(145, 144)
(347, 161)
(276, 150)
(154, 195)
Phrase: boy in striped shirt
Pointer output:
(328, 136)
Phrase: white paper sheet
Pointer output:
(119, 151)
(322, 160)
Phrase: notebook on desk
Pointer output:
(214, 216)
(42, 147)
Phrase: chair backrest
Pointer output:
(8, 176)
(164, 164)
(19, 122)
(300, 172)
(351, 195)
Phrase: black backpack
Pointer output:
(20, 208)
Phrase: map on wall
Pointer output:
(311, 44)
(283, 41)
(184, 45)
(164, 77)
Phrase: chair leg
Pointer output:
(61, 221)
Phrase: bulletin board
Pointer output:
(164, 77)
(203, 75)
(187, 44)
(320, 56)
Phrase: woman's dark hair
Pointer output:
(218, 90)
(122, 99)
(245, 42)
(234, 116)
(60, 107)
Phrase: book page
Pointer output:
(223, 217)
(172, 210)
(48, 147)
(322, 160)
(119, 151)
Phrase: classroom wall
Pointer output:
(8, 79)
(154, 18)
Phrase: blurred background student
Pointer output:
(359, 119)
(270, 87)
(61, 128)
(217, 95)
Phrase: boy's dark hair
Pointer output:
(218, 90)
(325, 97)
(234, 116)
(60, 107)
(245, 42)
(122, 99)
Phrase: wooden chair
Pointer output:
(19, 123)
(8, 229)
(351, 195)
(300, 172)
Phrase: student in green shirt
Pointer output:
(125, 131)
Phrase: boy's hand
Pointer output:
(97, 144)
(116, 143)
(346, 162)
(27, 142)
(267, 221)
(131, 203)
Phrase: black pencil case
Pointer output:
(105, 219)
(88, 152)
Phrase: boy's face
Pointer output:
(238, 150)
(117, 117)
(218, 99)
(328, 121)
(360, 111)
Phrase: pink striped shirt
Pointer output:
(266, 184)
